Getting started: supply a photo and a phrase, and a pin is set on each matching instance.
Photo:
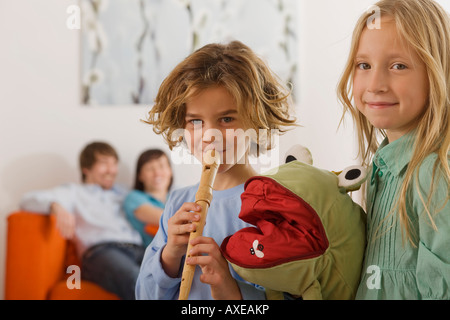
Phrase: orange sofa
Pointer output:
(37, 258)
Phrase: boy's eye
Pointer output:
(399, 66)
(196, 122)
(363, 66)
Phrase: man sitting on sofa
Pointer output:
(91, 214)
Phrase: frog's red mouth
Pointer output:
(286, 227)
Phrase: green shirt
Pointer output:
(393, 268)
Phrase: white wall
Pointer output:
(43, 127)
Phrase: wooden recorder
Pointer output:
(203, 198)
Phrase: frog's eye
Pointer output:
(352, 178)
(298, 153)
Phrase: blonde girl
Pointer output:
(396, 85)
(212, 94)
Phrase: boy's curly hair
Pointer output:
(262, 102)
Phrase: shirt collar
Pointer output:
(395, 155)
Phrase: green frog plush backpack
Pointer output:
(309, 236)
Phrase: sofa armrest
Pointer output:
(151, 229)
(35, 256)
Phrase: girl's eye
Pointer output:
(363, 66)
(227, 119)
(399, 66)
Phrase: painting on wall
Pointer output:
(128, 47)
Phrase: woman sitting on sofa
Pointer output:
(144, 205)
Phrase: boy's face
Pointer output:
(390, 84)
(212, 122)
(103, 172)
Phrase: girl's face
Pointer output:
(212, 122)
(156, 175)
(390, 84)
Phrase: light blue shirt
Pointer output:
(134, 200)
(222, 220)
(99, 216)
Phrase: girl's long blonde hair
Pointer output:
(425, 26)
